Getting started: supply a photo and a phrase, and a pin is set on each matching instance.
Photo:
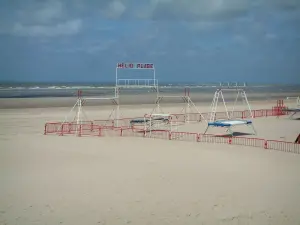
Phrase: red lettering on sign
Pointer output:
(120, 65)
(135, 65)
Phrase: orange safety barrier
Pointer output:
(106, 128)
(159, 134)
(253, 142)
(213, 139)
(184, 136)
(283, 146)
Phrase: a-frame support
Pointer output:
(188, 108)
(80, 116)
(229, 114)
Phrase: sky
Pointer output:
(256, 41)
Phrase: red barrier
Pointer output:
(51, 128)
(104, 122)
(283, 146)
(109, 128)
(128, 132)
(213, 139)
(184, 136)
(253, 142)
(109, 132)
(159, 134)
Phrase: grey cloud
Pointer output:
(283, 4)
(66, 28)
(199, 9)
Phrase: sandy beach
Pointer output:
(125, 180)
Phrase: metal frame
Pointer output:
(231, 87)
(80, 114)
(189, 105)
(297, 100)
(138, 82)
(155, 123)
(219, 92)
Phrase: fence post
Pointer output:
(79, 135)
(62, 130)
(69, 127)
(266, 144)
(45, 129)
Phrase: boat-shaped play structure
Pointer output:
(230, 122)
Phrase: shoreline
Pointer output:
(133, 100)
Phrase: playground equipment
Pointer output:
(293, 109)
(154, 122)
(79, 116)
(293, 102)
(113, 119)
(229, 124)
(230, 121)
(189, 111)
(279, 109)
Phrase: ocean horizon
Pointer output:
(70, 89)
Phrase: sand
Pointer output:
(122, 180)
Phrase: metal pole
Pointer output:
(224, 104)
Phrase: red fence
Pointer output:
(96, 130)
(122, 127)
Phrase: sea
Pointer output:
(55, 89)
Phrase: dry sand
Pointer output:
(119, 180)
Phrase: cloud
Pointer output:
(48, 18)
(67, 28)
(195, 10)
(40, 12)
(240, 39)
(203, 10)
(49, 11)
(283, 4)
(114, 10)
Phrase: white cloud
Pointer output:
(196, 9)
(282, 4)
(98, 47)
(40, 12)
(114, 10)
(270, 36)
(240, 39)
(49, 11)
(66, 28)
